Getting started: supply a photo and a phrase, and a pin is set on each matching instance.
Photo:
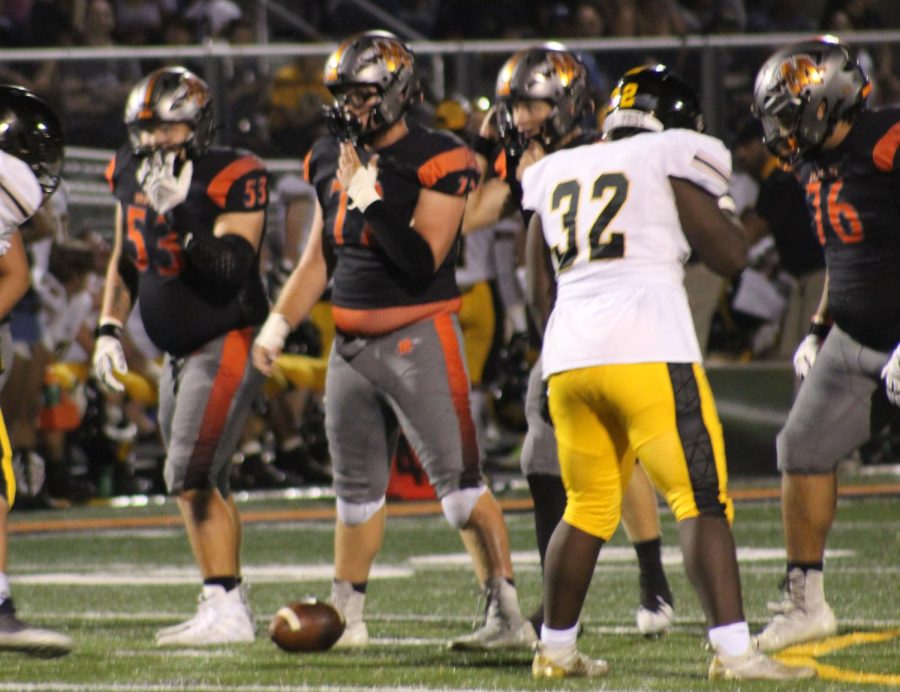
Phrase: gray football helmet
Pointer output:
(171, 95)
(550, 73)
(373, 58)
(803, 91)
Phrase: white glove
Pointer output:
(156, 176)
(891, 375)
(361, 190)
(270, 341)
(109, 358)
(805, 355)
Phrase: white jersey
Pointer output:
(20, 196)
(476, 260)
(609, 216)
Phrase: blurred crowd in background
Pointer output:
(87, 443)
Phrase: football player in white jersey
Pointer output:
(31, 152)
(623, 363)
(542, 105)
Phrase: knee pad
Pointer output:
(356, 513)
(458, 505)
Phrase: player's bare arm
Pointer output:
(717, 240)
(540, 287)
(437, 219)
(246, 224)
(117, 300)
(485, 204)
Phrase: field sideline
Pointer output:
(111, 576)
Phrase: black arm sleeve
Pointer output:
(403, 245)
(223, 262)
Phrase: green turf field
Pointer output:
(110, 589)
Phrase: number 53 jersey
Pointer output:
(610, 219)
(181, 310)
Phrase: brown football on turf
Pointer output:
(307, 625)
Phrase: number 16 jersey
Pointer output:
(610, 219)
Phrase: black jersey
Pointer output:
(782, 203)
(853, 193)
(179, 310)
(364, 278)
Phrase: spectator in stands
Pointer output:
(295, 107)
(778, 15)
(94, 90)
(140, 22)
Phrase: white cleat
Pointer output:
(350, 603)
(802, 616)
(754, 665)
(222, 618)
(355, 636)
(15, 635)
(655, 622)
(504, 627)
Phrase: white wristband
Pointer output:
(361, 190)
(273, 333)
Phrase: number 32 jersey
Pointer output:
(610, 219)
(180, 310)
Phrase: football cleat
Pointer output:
(222, 618)
(802, 616)
(354, 636)
(566, 663)
(15, 635)
(652, 622)
(350, 602)
(504, 627)
(754, 665)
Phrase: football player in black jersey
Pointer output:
(391, 197)
(31, 154)
(189, 221)
(811, 100)
(543, 106)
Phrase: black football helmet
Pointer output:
(373, 58)
(30, 131)
(801, 93)
(550, 73)
(651, 98)
(171, 95)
